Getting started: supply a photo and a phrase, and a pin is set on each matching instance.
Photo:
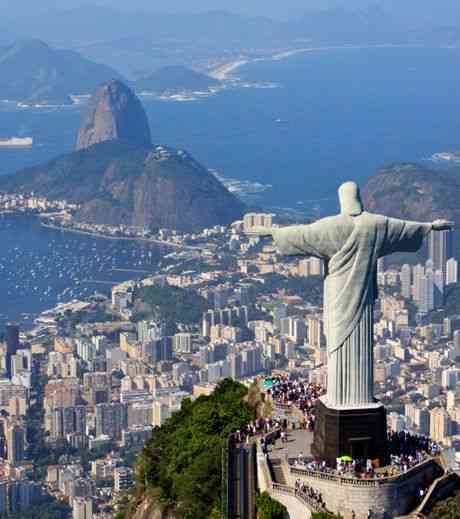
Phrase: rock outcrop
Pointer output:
(148, 509)
(114, 112)
(117, 176)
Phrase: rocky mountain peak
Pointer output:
(114, 112)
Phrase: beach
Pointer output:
(224, 72)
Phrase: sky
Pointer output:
(442, 10)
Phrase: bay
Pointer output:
(40, 267)
(335, 115)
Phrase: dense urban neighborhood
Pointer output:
(83, 389)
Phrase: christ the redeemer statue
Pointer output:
(350, 245)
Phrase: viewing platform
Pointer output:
(383, 496)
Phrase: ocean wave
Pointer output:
(182, 97)
(246, 190)
(445, 156)
(256, 84)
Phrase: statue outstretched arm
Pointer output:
(442, 225)
(318, 239)
(262, 232)
(407, 236)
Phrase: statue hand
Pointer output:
(260, 231)
(442, 225)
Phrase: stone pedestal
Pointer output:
(357, 432)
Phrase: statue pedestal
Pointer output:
(359, 432)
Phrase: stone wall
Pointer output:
(396, 496)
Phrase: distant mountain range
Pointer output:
(118, 177)
(33, 72)
(137, 43)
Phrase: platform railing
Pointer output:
(358, 482)
(303, 498)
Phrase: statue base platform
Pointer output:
(359, 432)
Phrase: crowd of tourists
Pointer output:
(405, 451)
(303, 395)
(406, 444)
(259, 427)
(309, 494)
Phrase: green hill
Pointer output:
(31, 71)
(415, 192)
(408, 190)
(117, 182)
(180, 468)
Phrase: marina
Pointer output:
(44, 267)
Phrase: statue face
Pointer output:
(350, 199)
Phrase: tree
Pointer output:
(325, 515)
(268, 508)
(182, 463)
(170, 304)
(51, 509)
(448, 509)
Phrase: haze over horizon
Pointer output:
(409, 9)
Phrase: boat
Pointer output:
(17, 142)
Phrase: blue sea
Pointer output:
(328, 116)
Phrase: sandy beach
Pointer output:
(224, 72)
(221, 73)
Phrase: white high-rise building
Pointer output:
(294, 328)
(182, 343)
(425, 299)
(450, 377)
(315, 332)
(406, 280)
(451, 271)
(438, 281)
(311, 267)
(418, 272)
(457, 339)
(82, 508)
(440, 249)
(417, 418)
(161, 412)
(279, 312)
(396, 422)
(440, 424)
(257, 220)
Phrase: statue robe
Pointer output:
(350, 247)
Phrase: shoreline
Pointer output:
(124, 238)
(224, 72)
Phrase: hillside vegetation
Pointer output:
(180, 468)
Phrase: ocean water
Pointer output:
(334, 115)
(40, 267)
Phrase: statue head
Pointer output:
(350, 199)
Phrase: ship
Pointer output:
(17, 142)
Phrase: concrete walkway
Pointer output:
(298, 441)
(295, 509)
